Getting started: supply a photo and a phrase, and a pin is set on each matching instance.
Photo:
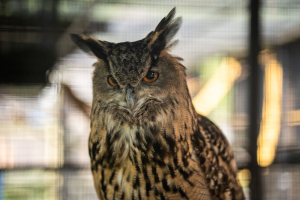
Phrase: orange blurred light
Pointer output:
(271, 112)
(218, 86)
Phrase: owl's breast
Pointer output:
(112, 147)
(134, 165)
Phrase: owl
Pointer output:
(146, 139)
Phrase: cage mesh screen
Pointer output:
(46, 87)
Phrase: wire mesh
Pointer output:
(44, 126)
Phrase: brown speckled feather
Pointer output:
(146, 140)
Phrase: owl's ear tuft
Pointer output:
(164, 32)
(91, 45)
(172, 44)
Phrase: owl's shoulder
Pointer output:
(216, 159)
(215, 140)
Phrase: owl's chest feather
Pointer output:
(143, 162)
(144, 168)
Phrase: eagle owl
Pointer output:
(146, 139)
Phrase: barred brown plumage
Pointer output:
(146, 139)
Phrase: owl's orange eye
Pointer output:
(111, 81)
(151, 77)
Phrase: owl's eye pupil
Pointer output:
(151, 77)
(113, 80)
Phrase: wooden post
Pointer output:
(254, 100)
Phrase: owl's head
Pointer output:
(131, 73)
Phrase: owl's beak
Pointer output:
(129, 97)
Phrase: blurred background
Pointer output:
(243, 67)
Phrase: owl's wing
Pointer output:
(216, 159)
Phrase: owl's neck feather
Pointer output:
(155, 127)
